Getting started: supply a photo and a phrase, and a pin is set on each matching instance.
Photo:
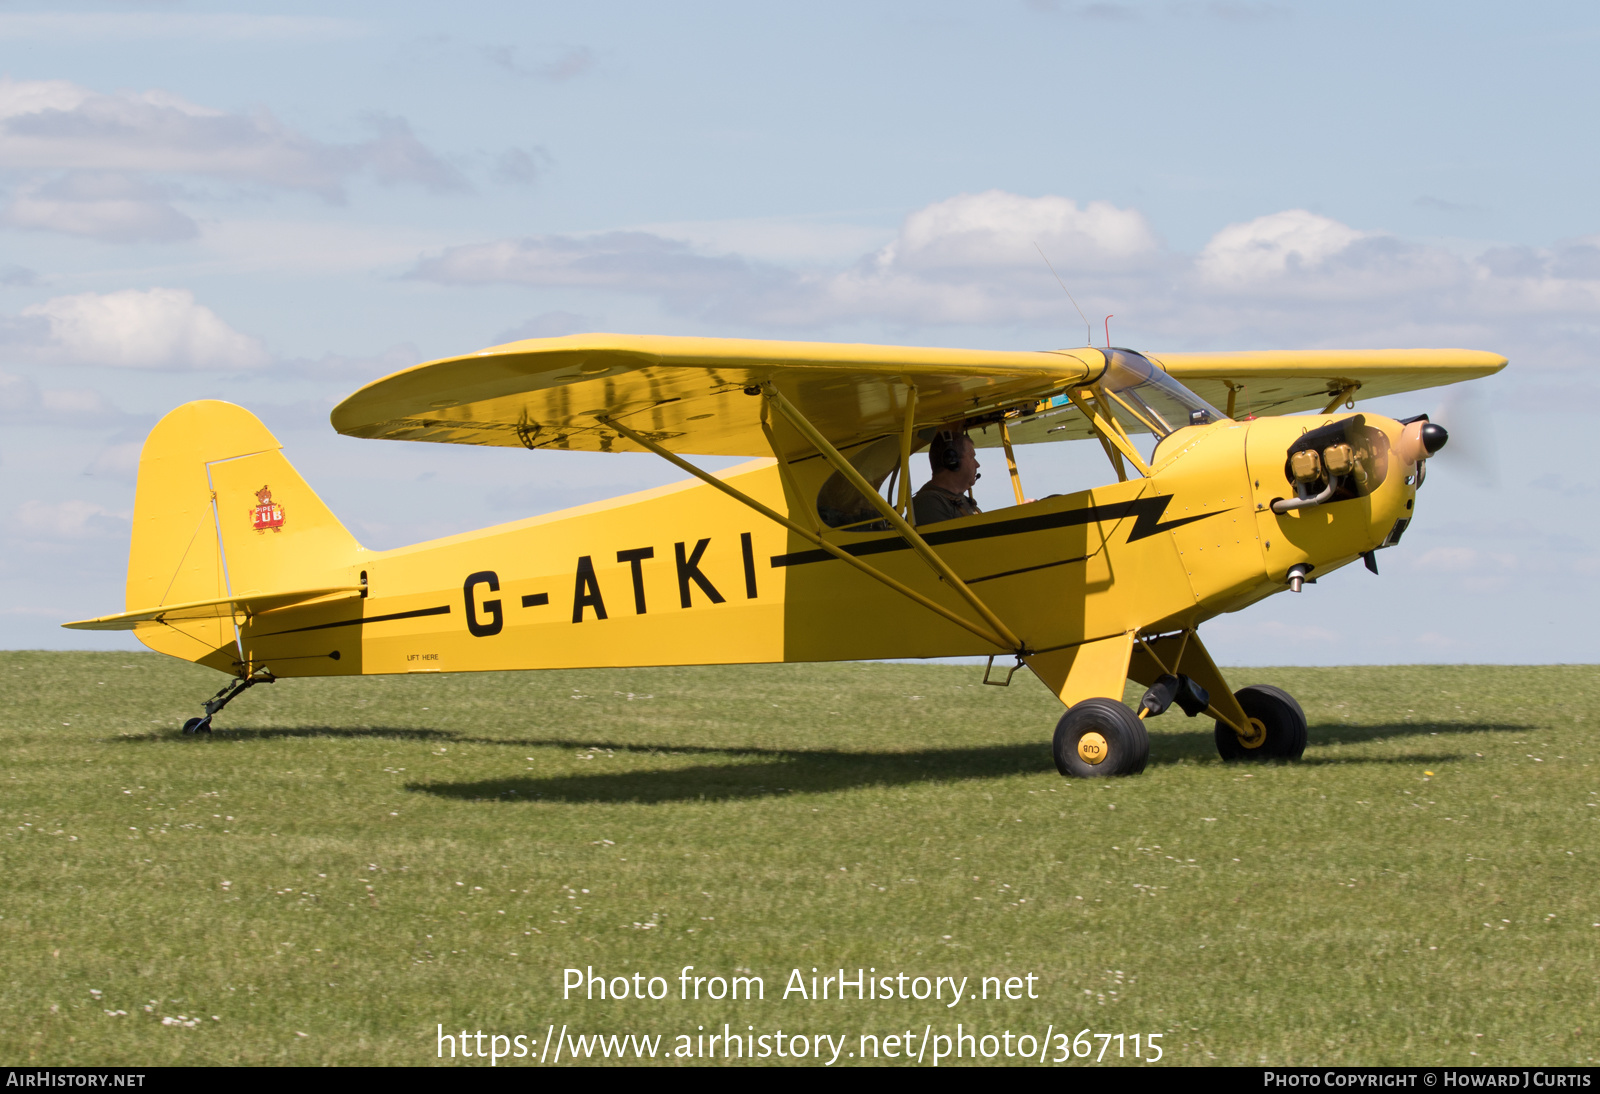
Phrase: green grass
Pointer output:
(360, 860)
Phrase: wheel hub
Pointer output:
(1092, 748)
(1258, 734)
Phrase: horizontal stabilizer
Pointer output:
(249, 604)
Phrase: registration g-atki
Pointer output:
(1235, 477)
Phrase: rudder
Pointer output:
(219, 512)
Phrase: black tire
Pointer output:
(1275, 709)
(197, 725)
(1127, 745)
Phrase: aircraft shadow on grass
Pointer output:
(777, 772)
(767, 772)
(356, 733)
(1192, 743)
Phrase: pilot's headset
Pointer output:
(950, 454)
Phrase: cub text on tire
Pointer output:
(1099, 737)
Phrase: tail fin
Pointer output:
(219, 514)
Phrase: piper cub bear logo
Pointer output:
(267, 513)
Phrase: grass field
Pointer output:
(347, 864)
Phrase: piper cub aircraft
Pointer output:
(811, 551)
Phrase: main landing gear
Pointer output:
(1278, 721)
(224, 697)
(1102, 737)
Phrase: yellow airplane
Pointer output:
(811, 551)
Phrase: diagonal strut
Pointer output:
(908, 533)
(805, 533)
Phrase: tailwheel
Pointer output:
(237, 687)
(1279, 723)
(1099, 737)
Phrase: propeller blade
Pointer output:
(1472, 451)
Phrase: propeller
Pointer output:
(1472, 451)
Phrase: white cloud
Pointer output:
(981, 258)
(1272, 245)
(395, 155)
(22, 402)
(1463, 560)
(68, 521)
(1228, 628)
(132, 328)
(323, 245)
(1231, 12)
(520, 166)
(121, 26)
(103, 205)
(808, 241)
(569, 64)
(1292, 278)
(117, 461)
(997, 229)
(75, 404)
(58, 125)
(969, 259)
(349, 369)
(550, 324)
(627, 261)
(18, 394)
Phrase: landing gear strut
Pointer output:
(226, 696)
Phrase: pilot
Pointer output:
(955, 468)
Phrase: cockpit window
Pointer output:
(1147, 400)
(840, 505)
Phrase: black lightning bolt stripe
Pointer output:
(1028, 569)
(1146, 512)
(443, 609)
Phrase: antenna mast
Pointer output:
(1088, 337)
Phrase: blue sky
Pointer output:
(275, 204)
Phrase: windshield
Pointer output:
(1147, 400)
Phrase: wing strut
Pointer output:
(1109, 429)
(784, 471)
(813, 537)
(896, 521)
(1011, 465)
(1346, 393)
(907, 435)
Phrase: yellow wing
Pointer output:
(1285, 381)
(1271, 382)
(689, 394)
